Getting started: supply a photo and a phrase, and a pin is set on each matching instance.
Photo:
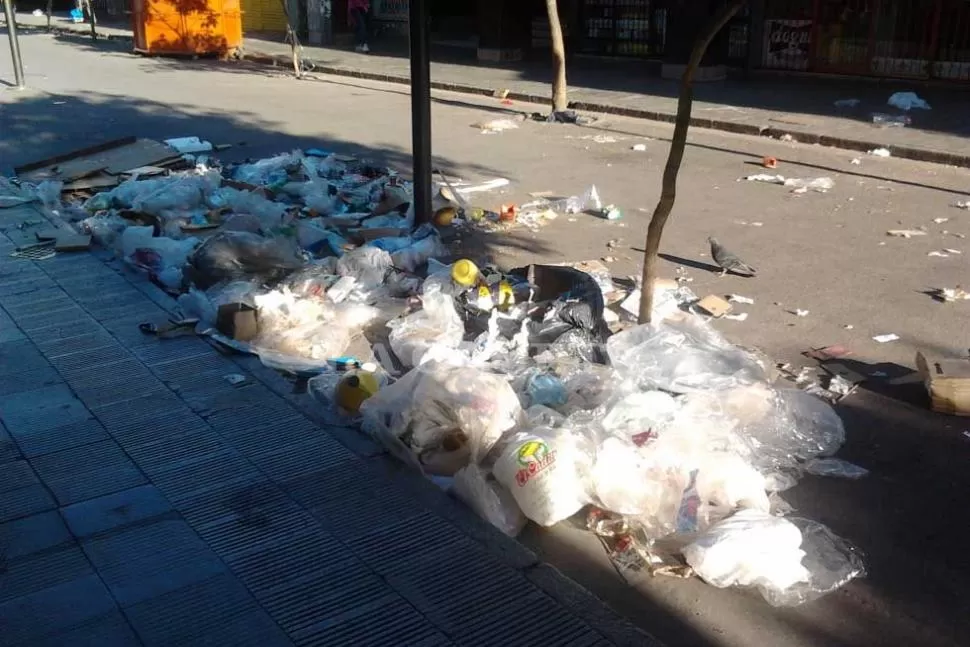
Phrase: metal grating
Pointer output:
(300, 459)
(167, 451)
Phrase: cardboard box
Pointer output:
(238, 321)
(714, 306)
(948, 382)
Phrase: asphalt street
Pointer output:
(825, 253)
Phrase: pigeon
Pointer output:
(727, 261)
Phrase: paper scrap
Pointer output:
(952, 251)
(741, 316)
(799, 312)
(940, 221)
(939, 254)
(905, 233)
(954, 294)
(737, 298)
(882, 339)
(963, 205)
(640, 147)
(880, 152)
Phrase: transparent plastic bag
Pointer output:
(437, 406)
(490, 501)
(831, 562)
(547, 471)
(682, 356)
(834, 467)
(269, 213)
(272, 171)
(155, 254)
(436, 326)
(234, 255)
(426, 244)
(177, 193)
(368, 265)
(750, 548)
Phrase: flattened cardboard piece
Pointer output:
(715, 306)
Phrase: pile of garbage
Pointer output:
(509, 388)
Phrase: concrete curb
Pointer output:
(906, 152)
(279, 60)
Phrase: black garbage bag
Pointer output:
(241, 255)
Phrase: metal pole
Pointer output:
(18, 64)
(420, 34)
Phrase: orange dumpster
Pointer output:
(192, 27)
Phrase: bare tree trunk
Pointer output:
(559, 100)
(94, 20)
(294, 41)
(49, 10)
(668, 187)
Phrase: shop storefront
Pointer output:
(892, 38)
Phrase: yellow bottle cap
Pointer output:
(464, 272)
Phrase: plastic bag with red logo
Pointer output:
(547, 470)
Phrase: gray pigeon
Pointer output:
(727, 261)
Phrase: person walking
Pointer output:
(357, 15)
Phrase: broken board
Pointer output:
(112, 158)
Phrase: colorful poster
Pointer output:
(391, 9)
(788, 44)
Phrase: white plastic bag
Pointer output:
(682, 356)
(436, 326)
(750, 548)
(492, 502)
(547, 471)
(438, 407)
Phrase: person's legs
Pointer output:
(360, 29)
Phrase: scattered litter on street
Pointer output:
(940, 221)
(640, 147)
(799, 312)
(880, 152)
(950, 250)
(947, 381)
(769, 162)
(907, 101)
(953, 294)
(938, 254)
(905, 233)
(963, 205)
(799, 185)
(530, 390)
(786, 138)
(495, 126)
(855, 161)
(891, 121)
(882, 339)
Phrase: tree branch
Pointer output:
(668, 188)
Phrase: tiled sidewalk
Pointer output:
(146, 501)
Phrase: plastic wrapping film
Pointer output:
(681, 356)
(442, 416)
(490, 500)
(435, 330)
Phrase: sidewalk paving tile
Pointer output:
(34, 573)
(390, 621)
(9, 451)
(41, 409)
(47, 441)
(142, 562)
(21, 492)
(115, 510)
(215, 611)
(109, 630)
(86, 472)
(42, 614)
(33, 534)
